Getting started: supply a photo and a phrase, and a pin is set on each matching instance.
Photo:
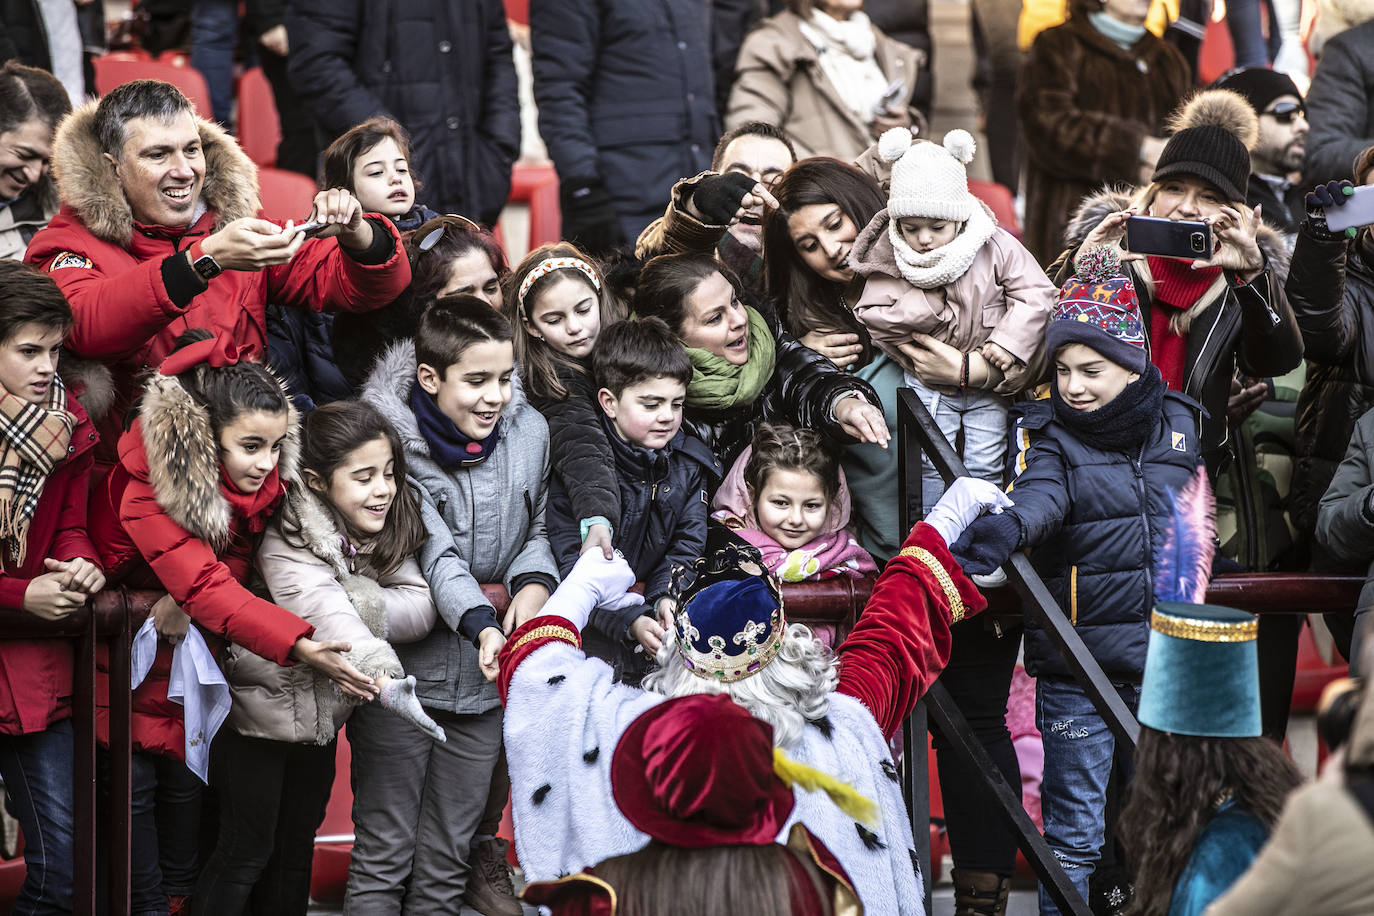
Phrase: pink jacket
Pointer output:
(834, 554)
(1003, 297)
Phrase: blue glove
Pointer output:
(1320, 199)
(987, 543)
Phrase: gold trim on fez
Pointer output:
(1200, 630)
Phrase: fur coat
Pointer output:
(162, 520)
(307, 571)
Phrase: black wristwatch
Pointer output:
(206, 266)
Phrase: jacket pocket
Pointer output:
(1073, 595)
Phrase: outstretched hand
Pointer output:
(328, 659)
(986, 543)
(594, 581)
(965, 500)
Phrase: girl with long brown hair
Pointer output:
(557, 301)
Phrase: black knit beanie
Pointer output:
(1215, 131)
(1259, 85)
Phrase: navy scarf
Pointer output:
(1125, 423)
(447, 444)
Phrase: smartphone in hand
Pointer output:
(310, 228)
(1169, 238)
(1358, 210)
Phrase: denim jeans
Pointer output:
(214, 35)
(1079, 752)
(982, 417)
(165, 831)
(37, 770)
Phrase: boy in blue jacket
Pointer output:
(641, 370)
(1097, 467)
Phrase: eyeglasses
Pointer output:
(1285, 112)
(432, 231)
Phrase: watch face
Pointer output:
(207, 267)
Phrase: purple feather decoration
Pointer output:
(1184, 566)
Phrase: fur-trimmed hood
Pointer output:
(1096, 207)
(388, 389)
(183, 459)
(89, 186)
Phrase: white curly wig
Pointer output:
(787, 693)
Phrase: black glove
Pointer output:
(718, 197)
(1320, 199)
(987, 543)
(589, 218)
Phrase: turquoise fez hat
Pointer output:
(1201, 672)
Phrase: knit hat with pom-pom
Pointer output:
(1099, 309)
(928, 179)
(1214, 132)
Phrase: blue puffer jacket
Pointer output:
(626, 96)
(662, 517)
(1095, 520)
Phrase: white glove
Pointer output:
(966, 499)
(593, 580)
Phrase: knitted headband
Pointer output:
(548, 266)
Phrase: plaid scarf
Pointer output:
(33, 439)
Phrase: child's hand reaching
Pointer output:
(998, 355)
(490, 642)
(649, 632)
(526, 605)
(666, 609)
(598, 537)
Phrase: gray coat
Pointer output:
(1344, 528)
(1340, 106)
(486, 524)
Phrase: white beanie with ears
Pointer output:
(929, 179)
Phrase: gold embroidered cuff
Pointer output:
(1200, 630)
(937, 569)
(549, 631)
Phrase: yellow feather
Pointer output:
(846, 797)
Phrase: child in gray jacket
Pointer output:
(479, 456)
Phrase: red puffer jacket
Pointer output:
(36, 674)
(130, 308)
(179, 531)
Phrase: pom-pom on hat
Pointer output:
(929, 179)
(1214, 133)
(1099, 309)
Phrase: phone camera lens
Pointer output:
(1198, 241)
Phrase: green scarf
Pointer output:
(718, 385)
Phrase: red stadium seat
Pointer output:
(537, 186)
(285, 195)
(999, 198)
(113, 70)
(259, 126)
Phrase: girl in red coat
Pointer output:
(47, 569)
(200, 472)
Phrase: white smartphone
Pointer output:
(1358, 210)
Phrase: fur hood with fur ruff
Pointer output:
(1096, 207)
(90, 382)
(88, 184)
(183, 459)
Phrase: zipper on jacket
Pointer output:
(1202, 352)
(1138, 465)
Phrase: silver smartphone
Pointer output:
(1358, 210)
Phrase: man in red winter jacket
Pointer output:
(47, 569)
(159, 232)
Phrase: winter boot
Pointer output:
(490, 891)
(980, 893)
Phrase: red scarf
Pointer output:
(254, 508)
(1177, 288)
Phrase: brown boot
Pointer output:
(979, 893)
(490, 891)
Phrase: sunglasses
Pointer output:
(432, 231)
(1285, 112)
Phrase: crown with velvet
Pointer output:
(730, 622)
